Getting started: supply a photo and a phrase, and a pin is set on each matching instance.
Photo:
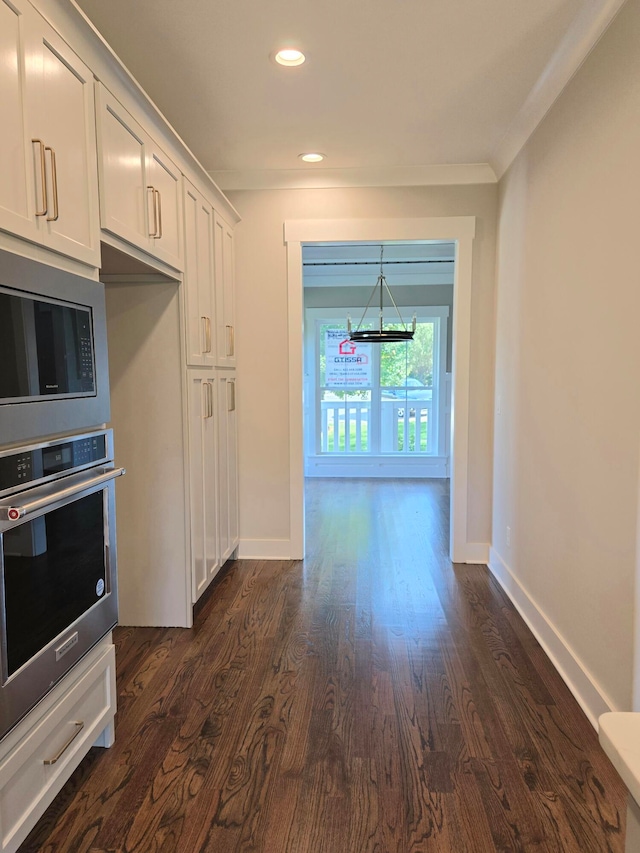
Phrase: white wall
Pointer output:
(568, 355)
(262, 335)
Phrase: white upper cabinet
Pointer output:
(17, 203)
(140, 186)
(163, 197)
(48, 188)
(122, 170)
(62, 116)
(225, 293)
(198, 278)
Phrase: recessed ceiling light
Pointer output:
(290, 56)
(314, 157)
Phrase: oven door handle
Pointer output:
(44, 496)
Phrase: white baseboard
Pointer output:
(587, 692)
(264, 549)
(474, 552)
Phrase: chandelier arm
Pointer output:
(369, 302)
(394, 302)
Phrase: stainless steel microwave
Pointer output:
(54, 375)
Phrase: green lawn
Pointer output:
(412, 435)
(364, 437)
(364, 446)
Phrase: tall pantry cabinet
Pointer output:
(174, 415)
(209, 300)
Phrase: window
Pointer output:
(376, 400)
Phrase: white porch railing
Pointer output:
(344, 424)
(406, 427)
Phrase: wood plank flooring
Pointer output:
(371, 699)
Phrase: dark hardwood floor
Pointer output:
(373, 699)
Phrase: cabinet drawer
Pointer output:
(33, 772)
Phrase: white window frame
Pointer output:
(433, 463)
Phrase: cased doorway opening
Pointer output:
(377, 409)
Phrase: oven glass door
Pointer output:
(58, 581)
(54, 571)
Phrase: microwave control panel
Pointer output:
(30, 465)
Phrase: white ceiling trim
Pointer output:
(578, 42)
(322, 178)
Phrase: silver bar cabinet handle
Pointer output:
(43, 177)
(154, 233)
(206, 404)
(79, 725)
(205, 347)
(207, 334)
(54, 184)
(159, 197)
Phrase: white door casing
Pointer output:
(457, 229)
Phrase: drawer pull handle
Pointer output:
(78, 728)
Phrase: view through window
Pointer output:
(378, 400)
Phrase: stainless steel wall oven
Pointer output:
(58, 581)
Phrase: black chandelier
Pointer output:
(381, 335)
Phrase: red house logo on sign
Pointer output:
(347, 347)
(347, 364)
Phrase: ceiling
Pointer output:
(387, 85)
(348, 264)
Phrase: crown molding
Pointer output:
(586, 30)
(322, 178)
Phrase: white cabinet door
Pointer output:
(232, 446)
(225, 293)
(227, 466)
(164, 190)
(48, 180)
(203, 494)
(122, 163)
(17, 201)
(61, 115)
(140, 187)
(198, 278)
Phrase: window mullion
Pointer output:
(376, 413)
